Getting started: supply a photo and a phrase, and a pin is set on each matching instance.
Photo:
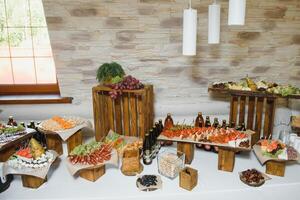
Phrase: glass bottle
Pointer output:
(11, 121)
(199, 122)
(207, 122)
(216, 122)
(161, 126)
(232, 124)
(243, 128)
(168, 122)
(147, 151)
(224, 125)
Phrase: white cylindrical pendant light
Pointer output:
(236, 12)
(214, 12)
(189, 39)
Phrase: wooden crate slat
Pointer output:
(151, 104)
(126, 116)
(250, 116)
(269, 118)
(133, 115)
(233, 109)
(110, 112)
(242, 110)
(97, 113)
(141, 116)
(148, 126)
(106, 118)
(102, 130)
(118, 115)
(258, 118)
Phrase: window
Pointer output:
(25, 50)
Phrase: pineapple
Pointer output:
(251, 84)
(36, 149)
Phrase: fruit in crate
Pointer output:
(92, 153)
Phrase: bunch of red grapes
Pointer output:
(128, 83)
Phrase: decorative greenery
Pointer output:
(108, 71)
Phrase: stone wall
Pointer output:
(145, 36)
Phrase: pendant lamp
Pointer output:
(236, 12)
(189, 39)
(214, 11)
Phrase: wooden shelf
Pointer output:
(250, 93)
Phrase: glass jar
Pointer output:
(170, 163)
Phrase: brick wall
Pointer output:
(145, 37)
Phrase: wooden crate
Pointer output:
(188, 178)
(226, 159)
(131, 114)
(188, 150)
(32, 181)
(275, 168)
(93, 173)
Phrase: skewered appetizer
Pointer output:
(33, 156)
(229, 136)
(92, 153)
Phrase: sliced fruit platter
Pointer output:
(33, 156)
(9, 133)
(208, 135)
(93, 153)
(262, 86)
(57, 123)
(253, 177)
(274, 150)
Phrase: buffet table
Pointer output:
(212, 183)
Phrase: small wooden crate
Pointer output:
(54, 142)
(32, 181)
(188, 178)
(92, 174)
(130, 114)
(275, 168)
(131, 162)
(226, 159)
(188, 149)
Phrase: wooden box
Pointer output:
(92, 174)
(54, 142)
(130, 114)
(275, 168)
(188, 150)
(226, 159)
(32, 181)
(188, 178)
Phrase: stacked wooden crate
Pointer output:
(131, 114)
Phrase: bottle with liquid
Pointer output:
(232, 124)
(224, 125)
(11, 121)
(154, 145)
(157, 132)
(168, 122)
(199, 122)
(243, 128)
(167, 125)
(147, 150)
(216, 122)
(207, 122)
(161, 126)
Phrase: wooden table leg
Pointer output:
(54, 142)
(275, 168)
(188, 150)
(92, 174)
(32, 181)
(6, 153)
(226, 159)
(74, 140)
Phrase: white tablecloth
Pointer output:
(212, 184)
